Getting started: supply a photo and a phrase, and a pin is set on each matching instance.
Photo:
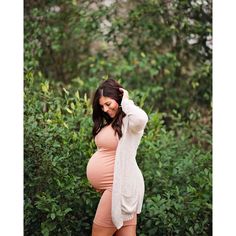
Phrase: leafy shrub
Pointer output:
(163, 47)
(178, 184)
(58, 198)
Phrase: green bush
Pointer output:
(58, 200)
(178, 184)
(163, 47)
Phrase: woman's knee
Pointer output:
(98, 230)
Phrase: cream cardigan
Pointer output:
(128, 182)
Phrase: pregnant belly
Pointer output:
(100, 169)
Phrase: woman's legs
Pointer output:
(98, 230)
(103, 225)
(103, 213)
(129, 230)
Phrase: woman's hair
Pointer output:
(108, 88)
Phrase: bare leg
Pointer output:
(98, 230)
(129, 230)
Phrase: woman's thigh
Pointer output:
(98, 230)
(103, 213)
(103, 225)
(129, 230)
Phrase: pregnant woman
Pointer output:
(112, 170)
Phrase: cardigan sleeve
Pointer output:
(136, 116)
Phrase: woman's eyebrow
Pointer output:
(106, 102)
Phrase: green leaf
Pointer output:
(64, 123)
(143, 54)
(69, 110)
(67, 210)
(45, 86)
(64, 89)
(72, 105)
(53, 216)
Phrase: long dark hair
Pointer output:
(108, 88)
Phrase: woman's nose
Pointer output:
(105, 108)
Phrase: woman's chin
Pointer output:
(112, 115)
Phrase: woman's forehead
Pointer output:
(103, 100)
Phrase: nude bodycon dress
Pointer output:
(100, 170)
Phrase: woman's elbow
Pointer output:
(145, 118)
(140, 123)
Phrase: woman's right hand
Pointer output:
(125, 93)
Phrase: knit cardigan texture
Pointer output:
(128, 182)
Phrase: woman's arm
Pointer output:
(136, 116)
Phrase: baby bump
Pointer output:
(100, 169)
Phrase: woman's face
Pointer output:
(109, 105)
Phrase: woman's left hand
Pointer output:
(125, 93)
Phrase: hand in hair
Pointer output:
(125, 93)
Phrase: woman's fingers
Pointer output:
(125, 93)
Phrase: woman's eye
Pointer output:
(102, 107)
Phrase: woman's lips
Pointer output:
(109, 113)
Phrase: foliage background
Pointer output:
(161, 52)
